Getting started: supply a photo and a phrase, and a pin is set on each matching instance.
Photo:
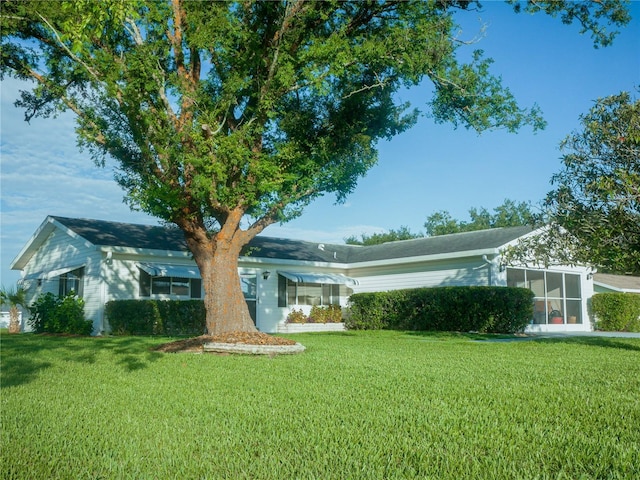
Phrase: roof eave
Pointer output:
(31, 247)
(144, 251)
(37, 239)
(616, 289)
(426, 258)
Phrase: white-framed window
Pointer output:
(557, 295)
(169, 286)
(72, 281)
(302, 293)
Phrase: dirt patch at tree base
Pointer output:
(196, 344)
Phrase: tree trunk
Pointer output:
(14, 320)
(224, 301)
(217, 259)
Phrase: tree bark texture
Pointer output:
(14, 320)
(226, 307)
(217, 258)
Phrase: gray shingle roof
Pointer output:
(458, 242)
(621, 282)
(116, 234)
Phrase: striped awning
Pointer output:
(44, 275)
(326, 278)
(167, 270)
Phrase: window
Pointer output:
(177, 286)
(301, 293)
(557, 296)
(71, 282)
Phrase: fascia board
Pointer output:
(425, 258)
(242, 259)
(279, 261)
(532, 233)
(32, 245)
(144, 252)
(616, 289)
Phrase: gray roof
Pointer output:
(441, 244)
(618, 282)
(117, 234)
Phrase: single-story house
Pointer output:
(103, 261)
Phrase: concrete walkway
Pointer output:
(586, 334)
(559, 335)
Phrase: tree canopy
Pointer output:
(509, 214)
(594, 209)
(226, 117)
(402, 233)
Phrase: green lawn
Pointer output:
(378, 405)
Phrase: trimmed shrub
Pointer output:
(318, 314)
(297, 316)
(617, 312)
(156, 317)
(181, 317)
(464, 309)
(328, 314)
(369, 311)
(55, 314)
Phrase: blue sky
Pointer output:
(429, 168)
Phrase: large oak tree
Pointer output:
(593, 213)
(225, 117)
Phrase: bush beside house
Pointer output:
(318, 314)
(156, 317)
(479, 309)
(617, 312)
(59, 314)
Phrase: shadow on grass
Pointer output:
(463, 336)
(24, 356)
(604, 342)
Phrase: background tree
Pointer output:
(594, 210)
(403, 233)
(509, 214)
(225, 117)
(14, 298)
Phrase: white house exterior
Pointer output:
(105, 261)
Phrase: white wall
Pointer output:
(269, 314)
(456, 272)
(58, 251)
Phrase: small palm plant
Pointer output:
(14, 297)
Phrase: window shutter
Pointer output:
(282, 291)
(196, 288)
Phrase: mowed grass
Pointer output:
(355, 405)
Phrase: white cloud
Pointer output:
(44, 173)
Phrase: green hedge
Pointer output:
(462, 309)
(156, 317)
(55, 314)
(618, 312)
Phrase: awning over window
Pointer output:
(62, 271)
(42, 275)
(33, 276)
(165, 270)
(326, 278)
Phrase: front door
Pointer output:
(249, 285)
